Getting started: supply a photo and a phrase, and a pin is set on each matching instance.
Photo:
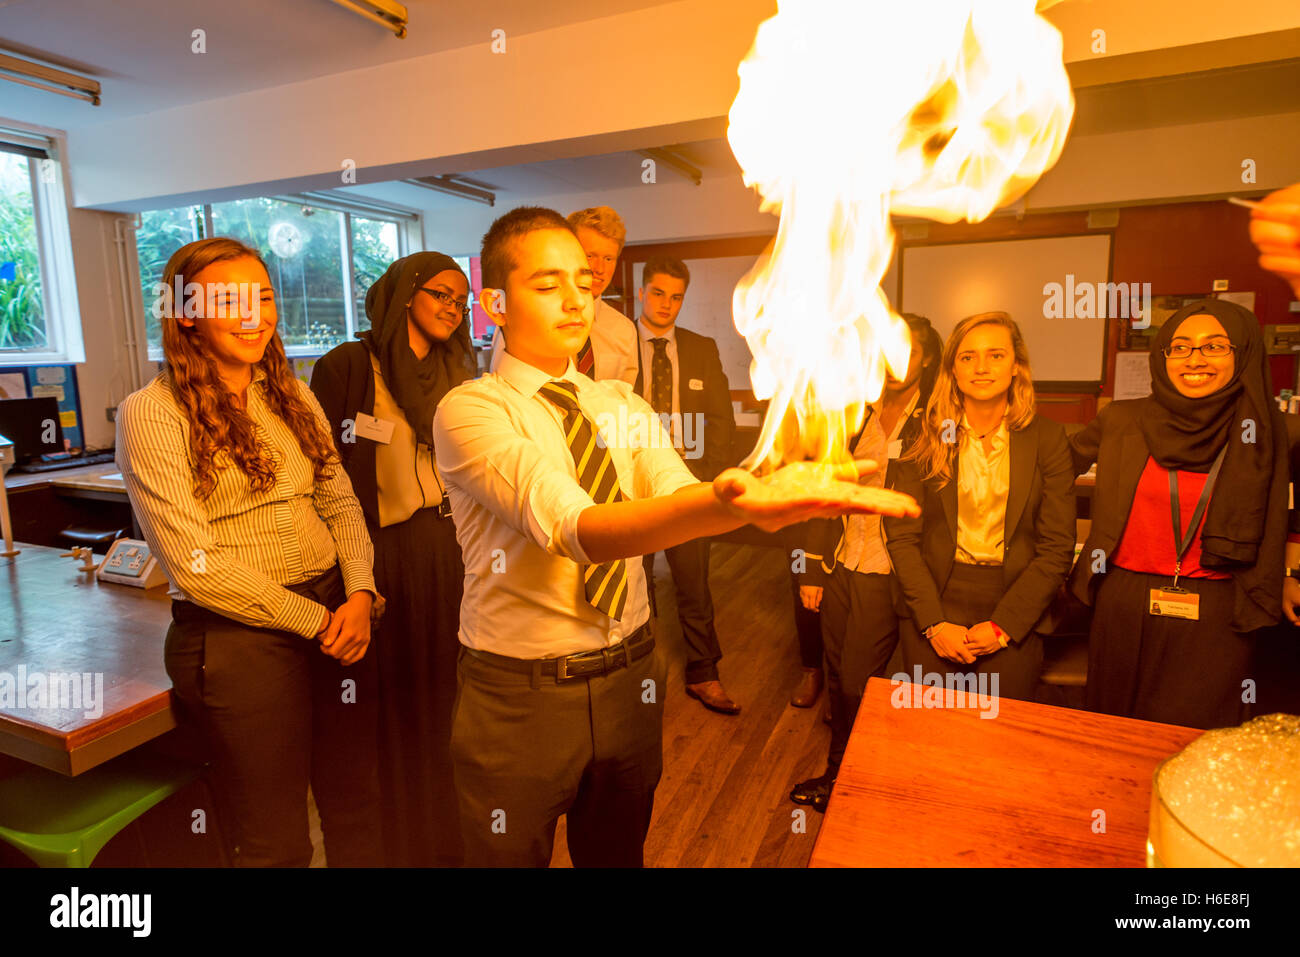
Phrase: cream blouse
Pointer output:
(983, 479)
(404, 470)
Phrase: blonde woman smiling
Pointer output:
(995, 539)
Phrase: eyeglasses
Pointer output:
(447, 299)
(1210, 350)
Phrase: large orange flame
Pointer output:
(850, 111)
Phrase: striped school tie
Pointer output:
(605, 584)
(586, 360)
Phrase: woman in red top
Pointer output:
(1174, 610)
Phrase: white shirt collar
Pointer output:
(648, 336)
(528, 378)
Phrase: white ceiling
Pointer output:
(1252, 90)
(613, 170)
(1255, 89)
(140, 50)
(529, 182)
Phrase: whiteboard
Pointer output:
(948, 282)
(707, 310)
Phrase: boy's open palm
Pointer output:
(805, 490)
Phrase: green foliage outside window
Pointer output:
(303, 248)
(22, 311)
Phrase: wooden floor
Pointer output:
(723, 800)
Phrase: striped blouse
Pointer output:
(234, 551)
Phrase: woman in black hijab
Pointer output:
(1174, 610)
(380, 395)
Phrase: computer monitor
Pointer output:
(32, 425)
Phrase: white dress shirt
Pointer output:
(647, 363)
(515, 499)
(613, 338)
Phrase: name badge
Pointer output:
(896, 449)
(1175, 603)
(696, 384)
(376, 430)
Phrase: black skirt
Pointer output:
(970, 596)
(1166, 669)
(418, 569)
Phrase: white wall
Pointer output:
(105, 378)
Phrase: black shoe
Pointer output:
(814, 791)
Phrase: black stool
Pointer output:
(99, 539)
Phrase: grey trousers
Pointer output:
(591, 748)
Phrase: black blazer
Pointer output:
(698, 362)
(820, 538)
(1115, 442)
(344, 383)
(1038, 535)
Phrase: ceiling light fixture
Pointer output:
(447, 184)
(386, 13)
(673, 161)
(49, 79)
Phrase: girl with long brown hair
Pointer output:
(994, 542)
(231, 471)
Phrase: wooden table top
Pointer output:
(56, 620)
(1032, 786)
(89, 477)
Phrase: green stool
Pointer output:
(61, 821)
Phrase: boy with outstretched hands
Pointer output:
(560, 707)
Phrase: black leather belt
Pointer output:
(585, 664)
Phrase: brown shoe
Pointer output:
(810, 686)
(712, 695)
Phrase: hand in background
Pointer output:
(982, 639)
(810, 596)
(1275, 230)
(1291, 599)
(348, 634)
(949, 641)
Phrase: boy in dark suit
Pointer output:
(681, 377)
